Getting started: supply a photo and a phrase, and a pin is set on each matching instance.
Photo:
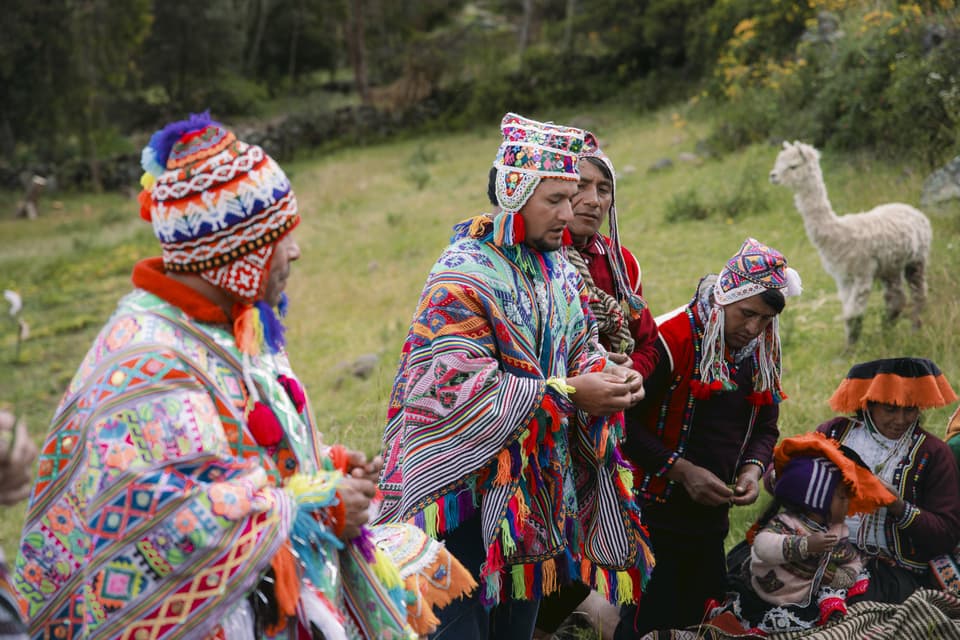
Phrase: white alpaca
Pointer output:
(888, 243)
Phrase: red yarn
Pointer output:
(144, 198)
(264, 425)
(294, 390)
(700, 390)
(519, 229)
(567, 238)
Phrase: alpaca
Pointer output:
(888, 243)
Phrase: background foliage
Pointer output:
(83, 82)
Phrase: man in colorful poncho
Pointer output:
(183, 490)
(611, 275)
(496, 438)
(706, 430)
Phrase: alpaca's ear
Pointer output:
(800, 150)
(786, 145)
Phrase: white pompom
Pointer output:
(794, 284)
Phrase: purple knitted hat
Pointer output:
(809, 483)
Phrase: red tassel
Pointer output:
(519, 229)
(145, 200)
(699, 390)
(567, 238)
(294, 390)
(264, 425)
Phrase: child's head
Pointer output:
(814, 485)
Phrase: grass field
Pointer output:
(375, 219)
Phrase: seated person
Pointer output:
(886, 398)
(802, 566)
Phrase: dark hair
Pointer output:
(601, 165)
(492, 187)
(774, 299)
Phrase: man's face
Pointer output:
(591, 204)
(547, 213)
(745, 319)
(285, 252)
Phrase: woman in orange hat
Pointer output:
(885, 399)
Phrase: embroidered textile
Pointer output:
(530, 151)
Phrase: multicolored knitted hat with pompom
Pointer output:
(751, 271)
(218, 205)
(530, 151)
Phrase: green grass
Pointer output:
(375, 219)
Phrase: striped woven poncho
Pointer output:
(473, 425)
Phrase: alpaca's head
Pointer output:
(796, 164)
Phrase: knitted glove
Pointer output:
(831, 610)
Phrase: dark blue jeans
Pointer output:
(466, 618)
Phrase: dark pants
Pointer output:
(557, 607)
(466, 618)
(689, 570)
(893, 584)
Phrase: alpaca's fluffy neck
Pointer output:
(822, 224)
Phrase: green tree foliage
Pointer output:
(883, 76)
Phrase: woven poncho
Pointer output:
(473, 425)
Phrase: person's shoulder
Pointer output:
(837, 425)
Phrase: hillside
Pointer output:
(375, 218)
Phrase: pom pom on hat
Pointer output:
(154, 156)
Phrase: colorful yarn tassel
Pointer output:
(295, 390)
(264, 426)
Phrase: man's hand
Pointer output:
(18, 452)
(702, 485)
(747, 489)
(820, 542)
(356, 493)
(621, 359)
(604, 393)
(358, 466)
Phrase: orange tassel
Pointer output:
(244, 329)
(503, 468)
(286, 587)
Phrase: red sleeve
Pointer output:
(643, 329)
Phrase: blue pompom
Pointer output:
(155, 154)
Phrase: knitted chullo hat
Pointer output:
(904, 382)
(218, 205)
(530, 151)
(753, 269)
(803, 466)
(808, 483)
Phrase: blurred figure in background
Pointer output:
(17, 455)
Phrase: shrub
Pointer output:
(686, 205)
(882, 77)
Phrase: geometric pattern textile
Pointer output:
(155, 512)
